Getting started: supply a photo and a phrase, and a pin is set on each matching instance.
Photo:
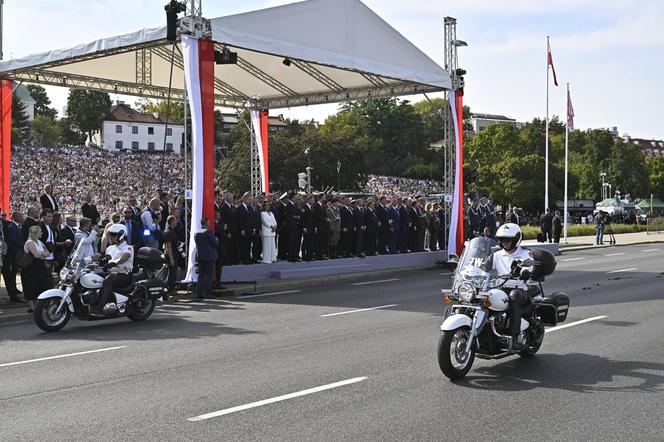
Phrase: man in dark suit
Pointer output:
(394, 226)
(15, 242)
(405, 225)
(228, 220)
(293, 225)
(514, 217)
(66, 239)
(134, 230)
(347, 227)
(256, 241)
(131, 202)
(557, 226)
(371, 232)
(421, 223)
(279, 210)
(442, 238)
(383, 225)
(360, 227)
(89, 210)
(47, 200)
(309, 229)
(30, 220)
(206, 253)
(245, 227)
(474, 219)
(412, 234)
(48, 236)
(546, 225)
(321, 235)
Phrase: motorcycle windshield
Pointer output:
(475, 254)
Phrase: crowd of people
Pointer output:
(76, 172)
(397, 186)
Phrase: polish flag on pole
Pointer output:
(549, 62)
(570, 112)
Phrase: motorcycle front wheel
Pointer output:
(453, 360)
(47, 317)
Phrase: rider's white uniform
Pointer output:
(502, 264)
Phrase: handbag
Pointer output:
(23, 259)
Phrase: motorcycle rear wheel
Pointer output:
(46, 316)
(451, 359)
(143, 312)
(535, 338)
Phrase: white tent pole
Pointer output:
(546, 139)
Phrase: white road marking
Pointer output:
(571, 259)
(376, 282)
(650, 250)
(623, 270)
(359, 310)
(269, 294)
(615, 254)
(572, 324)
(62, 356)
(275, 399)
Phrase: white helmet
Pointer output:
(118, 231)
(510, 232)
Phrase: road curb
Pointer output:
(605, 246)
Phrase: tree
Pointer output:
(68, 135)
(42, 102)
(655, 170)
(627, 170)
(20, 121)
(45, 131)
(173, 109)
(87, 110)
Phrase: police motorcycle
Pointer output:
(477, 322)
(80, 287)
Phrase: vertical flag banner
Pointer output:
(6, 87)
(198, 58)
(456, 235)
(259, 125)
(549, 62)
(570, 112)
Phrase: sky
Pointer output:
(611, 52)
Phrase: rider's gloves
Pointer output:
(525, 275)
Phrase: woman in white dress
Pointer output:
(268, 233)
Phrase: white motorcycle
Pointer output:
(80, 286)
(476, 319)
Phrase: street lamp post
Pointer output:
(603, 175)
(338, 170)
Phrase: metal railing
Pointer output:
(655, 225)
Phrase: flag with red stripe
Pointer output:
(549, 62)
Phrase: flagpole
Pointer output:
(566, 165)
(546, 139)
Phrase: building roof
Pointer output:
(491, 117)
(124, 113)
(23, 95)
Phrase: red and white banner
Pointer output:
(198, 58)
(259, 124)
(6, 87)
(549, 62)
(455, 241)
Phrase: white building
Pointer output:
(23, 95)
(481, 121)
(128, 129)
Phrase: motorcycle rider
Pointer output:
(120, 265)
(507, 261)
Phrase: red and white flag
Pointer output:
(570, 112)
(549, 62)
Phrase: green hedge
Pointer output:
(585, 230)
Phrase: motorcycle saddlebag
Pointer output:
(154, 288)
(553, 309)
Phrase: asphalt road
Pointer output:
(305, 366)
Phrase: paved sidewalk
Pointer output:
(588, 242)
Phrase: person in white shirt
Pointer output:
(268, 233)
(121, 263)
(150, 219)
(88, 234)
(509, 237)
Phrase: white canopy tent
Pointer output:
(338, 50)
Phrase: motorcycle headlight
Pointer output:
(466, 292)
(65, 275)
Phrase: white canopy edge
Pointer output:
(341, 50)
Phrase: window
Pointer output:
(118, 128)
(150, 130)
(169, 131)
(169, 147)
(134, 130)
(134, 145)
(118, 144)
(150, 145)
